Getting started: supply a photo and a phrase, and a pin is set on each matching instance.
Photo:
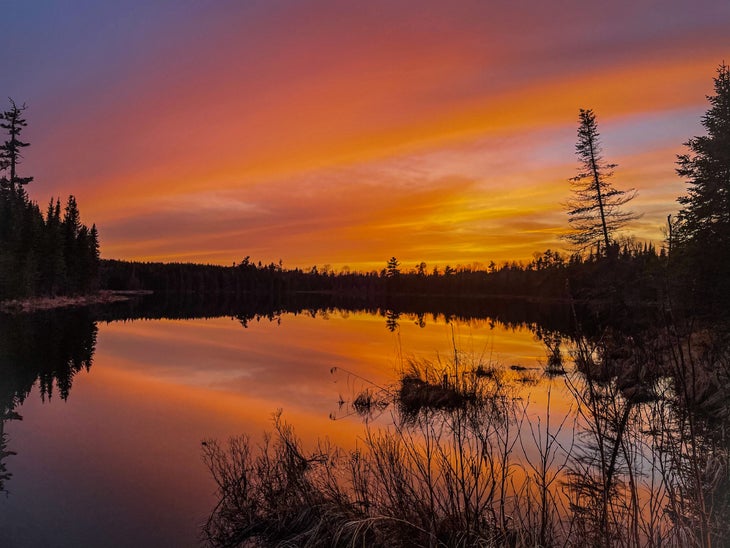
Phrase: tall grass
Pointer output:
(468, 461)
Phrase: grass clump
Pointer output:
(465, 463)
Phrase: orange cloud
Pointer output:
(431, 136)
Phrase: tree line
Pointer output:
(40, 254)
(698, 238)
(550, 275)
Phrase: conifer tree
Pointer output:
(70, 228)
(595, 212)
(54, 265)
(703, 233)
(13, 122)
(392, 270)
(705, 215)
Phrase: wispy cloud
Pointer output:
(344, 133)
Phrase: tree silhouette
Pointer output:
(392, 270)
(47, 349)
(595, 209)
(702, 235)
(705, 215)
(39, 255)
(13, 122)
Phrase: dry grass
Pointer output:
(465, 463)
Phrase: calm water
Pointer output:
(118, 461)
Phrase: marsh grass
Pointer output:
(468, 461)
(445, 473)
(426, 386)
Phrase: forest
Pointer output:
(51, 254)
(640, 458)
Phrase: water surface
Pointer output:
(111, 456)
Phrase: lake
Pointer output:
(114, 411)
(118, 463)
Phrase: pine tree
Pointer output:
(13, 122)
(70, 228)
(94, 244)
(702, 241)
(595, 212)
(705, 215)
(54, 265)
(392, 270)
(39, 255)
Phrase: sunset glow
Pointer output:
(344, 133)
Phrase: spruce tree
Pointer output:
(594, 212)
(70, 228)
(705, 215)
(702, 241)
(13, 122)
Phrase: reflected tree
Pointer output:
(8, 414)
(45, 349)
(391, 320)
(641, 459)
(651, 467)
(599, 466)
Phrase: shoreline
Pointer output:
(34, 304)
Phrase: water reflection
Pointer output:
(512, 313)
(47, 348)
(613, 437)
(639, 459)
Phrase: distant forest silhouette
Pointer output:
(633, 273)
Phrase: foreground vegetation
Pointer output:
(639, 460)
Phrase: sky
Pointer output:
(342, 133)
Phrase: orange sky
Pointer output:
(343, 133)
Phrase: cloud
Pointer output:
(333, 133)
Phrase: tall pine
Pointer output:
(13, 123)
(703, 234)
(595, 211)
(705, 215)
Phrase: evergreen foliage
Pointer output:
(44, 255)
(635, 274)
(13, 122)
(39, 255)
(595, 212)
(703, 231)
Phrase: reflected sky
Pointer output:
(122, 455)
